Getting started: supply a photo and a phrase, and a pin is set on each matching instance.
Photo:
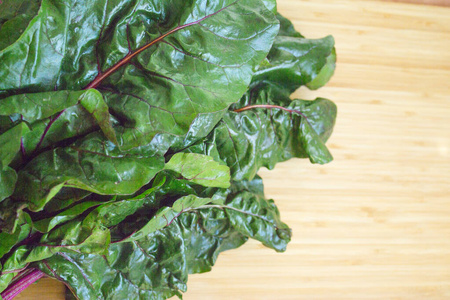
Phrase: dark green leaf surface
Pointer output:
(156, 265)
(248, 140)
(294, 60)
(94, 164)
(9, 240)
(37, 106)
(166, 215)
(151, 268)
(163, 98)
(10, 143)
(259, 219)
(131, 134)
(8, 179)
(93, 102)
(14, 18)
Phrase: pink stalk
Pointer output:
(21, 282)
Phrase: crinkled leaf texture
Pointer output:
(246, 141)
(131, 134)
(188, 239)
(200, 60)
(276, 128)
(91, 164)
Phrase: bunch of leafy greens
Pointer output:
(132, 131)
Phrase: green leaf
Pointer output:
(116, 210)
(259, 219)
(47, 224)
(182, 37)
(92, 164)
(61, 106)
(151, 268)
(248, 140)
(10, 143)
(207, 233)
(9, 240)
(8, 179)
(325, 74)
(37, 106)
(5, 280)
(72, 122)
(166, 215)
(200, 169)
(271, 5)
(11, 214)
(87, 236)
(191, 72)
(294, 60)
(81, 236)
(93, 102)
(96, 96)
(14, 18)
(155, 266)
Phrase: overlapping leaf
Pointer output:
(155, 265)
(200, 169)
(92, 164)
(294, 60)
(107, 109)
(14, 18)
(248, 140)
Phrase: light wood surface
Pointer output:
(375, 223)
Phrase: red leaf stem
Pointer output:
(248, 107)
(21, 282)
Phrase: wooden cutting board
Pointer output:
(375, 223)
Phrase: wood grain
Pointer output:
(373, 224)
(427, 2)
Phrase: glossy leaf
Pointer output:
(294, 60)
(10, 143)
(37, 106)
(325, 73)
(182, 79)
(93, 102)
(14, 18)
(166, 215)
(259, 219)
(81, 236)
(200, 169)
(248, 140)
(151, 268)
(156, 265)
(131, 133)
(93, 164)
(10, 240)
(8, 179)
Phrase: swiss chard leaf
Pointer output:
(264, 136)
(294, 61)
(267, 126)
(183, 73)
(10, 143)
(151, 268)
(93, 164)
(8, 179)
(155, 265)
(166, 215)
(35, 108)
(200, 169)
(14, 18)
(127, 159)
